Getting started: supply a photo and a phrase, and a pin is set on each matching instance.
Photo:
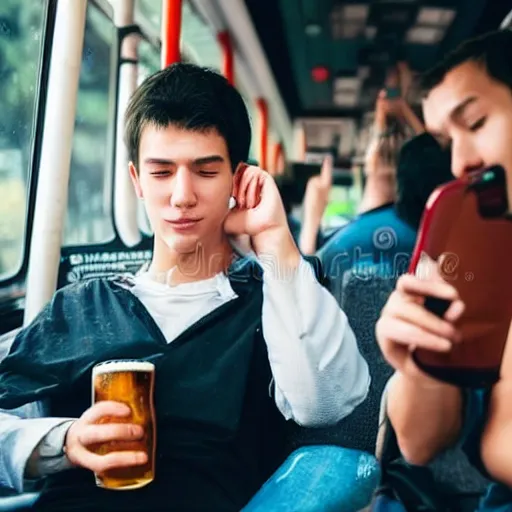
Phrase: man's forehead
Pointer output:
(467, 80)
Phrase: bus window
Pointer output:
(149, 60)
(89, 214)
(21, 44)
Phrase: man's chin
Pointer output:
(183, 244)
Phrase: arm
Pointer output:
(31, 445)
(411, 119)
(314, 205)
(496, 449)
(426, 416)
(320, 376)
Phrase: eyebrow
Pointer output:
(197, 161)
(459, 109)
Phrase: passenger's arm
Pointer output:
(426, 415)
(31, 445)
(496, 449)
(319, 374)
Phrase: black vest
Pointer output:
(220, 435)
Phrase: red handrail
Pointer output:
(228, 64)
(171, 32)
(263, 131)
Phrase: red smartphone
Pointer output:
(466, 234)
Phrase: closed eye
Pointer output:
(476, 126)
(160, 174)
(208, 174)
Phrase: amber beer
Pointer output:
(132, 383)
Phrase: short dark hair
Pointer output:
(193, 98)
(491, 50)
(422, 167)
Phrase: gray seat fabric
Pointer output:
(362, 300)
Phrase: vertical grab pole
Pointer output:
(52, 190)
(263, 131)
(278, 160)
(125, 199)
(228, 64)
(171, 32)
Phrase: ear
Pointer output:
(134, 175)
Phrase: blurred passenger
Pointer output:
(377, 242)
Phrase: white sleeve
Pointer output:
(319, 375)
(28, 437)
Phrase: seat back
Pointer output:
(362, 300)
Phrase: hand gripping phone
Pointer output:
(466, 233)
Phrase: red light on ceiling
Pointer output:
(320, 74)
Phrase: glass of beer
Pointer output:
(131, 383)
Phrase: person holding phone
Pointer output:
(468, 106)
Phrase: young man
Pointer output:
(469, 106)
(239, 347)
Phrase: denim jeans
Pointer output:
(319, 479)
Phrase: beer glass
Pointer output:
(131, 383)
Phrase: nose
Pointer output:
(465, 157)
(182, 194)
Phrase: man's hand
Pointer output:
(405, 324)
(260, 214)
(87, 431)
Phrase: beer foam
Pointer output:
(123, 366)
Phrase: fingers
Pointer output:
(105, 408)
(92, 434)
(252, 196)
(101, 463)
(88, 431)
(403, 332)
(247, 187)
(399, 307)
(406, 324)
(413, 285)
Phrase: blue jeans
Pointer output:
(319, 479)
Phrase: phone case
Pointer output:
(465, 230)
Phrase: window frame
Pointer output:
(18, 275)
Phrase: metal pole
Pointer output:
(52, 191)
(125, 199)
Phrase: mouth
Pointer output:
(183, 224)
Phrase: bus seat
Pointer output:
(362, 301)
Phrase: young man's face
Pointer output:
(473, 112)
(185, 180)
